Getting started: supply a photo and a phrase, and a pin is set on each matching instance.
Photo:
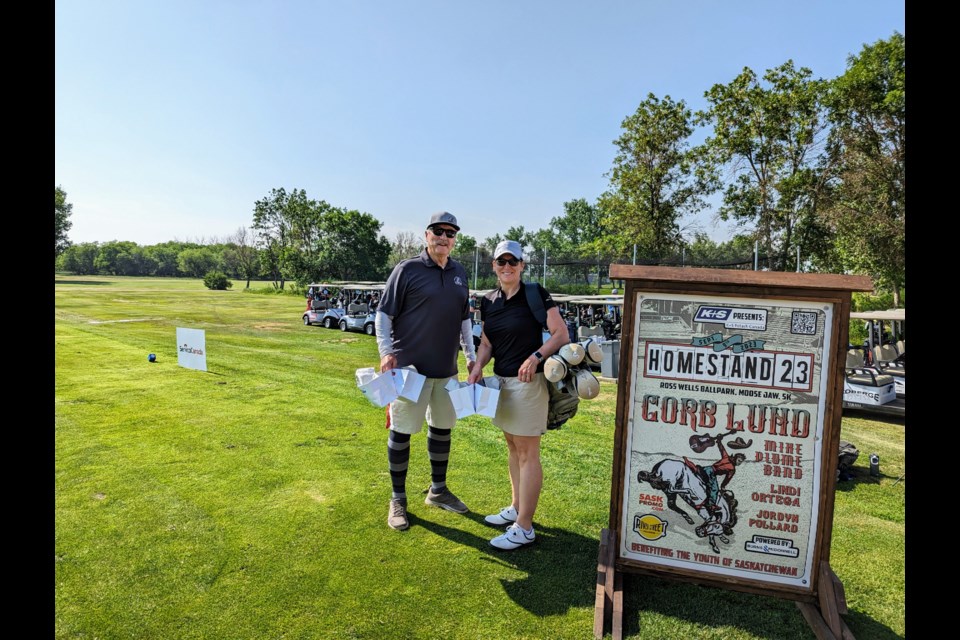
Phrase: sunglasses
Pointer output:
(510, 261)
(450, 233)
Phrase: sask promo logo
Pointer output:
(649, 526)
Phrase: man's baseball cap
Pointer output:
(443, 217)
(509, 246)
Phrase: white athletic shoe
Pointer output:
(514, 538)
(507, 515)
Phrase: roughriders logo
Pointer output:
(458, 281)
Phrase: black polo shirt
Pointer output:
(512, 329)
(427, 305)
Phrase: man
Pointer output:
(726, 466)
(422, 317)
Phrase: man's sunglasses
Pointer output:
(510, 261)
(450, 233)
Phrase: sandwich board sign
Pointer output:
(192, 348)
(727, 427)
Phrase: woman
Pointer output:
(513, 338)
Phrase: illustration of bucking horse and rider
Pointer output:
(699, 486)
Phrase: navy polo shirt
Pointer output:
(427, 304)
(512, 329)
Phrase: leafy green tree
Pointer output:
(197, 262)
(351, 247)
(80, 259)
(61, 220)
(113, 256)
(702, 251)
(868, 205)
(272, 221)
(655, 180)
(468, 253)
(466, 247)
(771, 138)
(302, 260)
(166, 255)
(520, 234)
(489, 244)
(135, 261)
(573, 240)
(408, 244)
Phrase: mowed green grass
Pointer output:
(250, 501)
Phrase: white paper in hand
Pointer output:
(470, 399)
(381, 389)
(462, 398)
(409, 383)
(485, 400)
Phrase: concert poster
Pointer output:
(724, 431)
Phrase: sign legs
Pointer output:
(608, 605)
(824, 617)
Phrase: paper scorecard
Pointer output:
(382, 389)
(474, 399)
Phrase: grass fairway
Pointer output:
(250, 501)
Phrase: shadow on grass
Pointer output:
(80, 282)
(857, 476)
(759, 615)
(561, 569)
(561, 566)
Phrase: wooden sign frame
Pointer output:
(756, 358)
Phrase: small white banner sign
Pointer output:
(192, 348)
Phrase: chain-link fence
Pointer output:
(576, 274)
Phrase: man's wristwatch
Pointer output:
(538, 356)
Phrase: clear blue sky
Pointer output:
(174, 117)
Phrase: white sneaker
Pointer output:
(514, 538)
(507, 515)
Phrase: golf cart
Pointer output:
(874, 378)
(322, 306)
(358, 318)
(360, 314)
(885, 344)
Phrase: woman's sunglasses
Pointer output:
(510, 261)
(450, 233)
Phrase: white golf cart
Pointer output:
(360, 314)
(322, 308)
(875, 379)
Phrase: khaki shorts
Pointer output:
(522, 410)
(434, 406)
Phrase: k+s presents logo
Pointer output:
(712, 314)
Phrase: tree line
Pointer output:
(804, 167)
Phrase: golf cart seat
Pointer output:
(884, 357)
(858, 374)
(319, 305)
(357, 308)
(587, 332)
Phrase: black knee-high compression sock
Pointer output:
(398, 455)
(438, 448)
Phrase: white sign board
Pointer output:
(192, 348)
(715, 373)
